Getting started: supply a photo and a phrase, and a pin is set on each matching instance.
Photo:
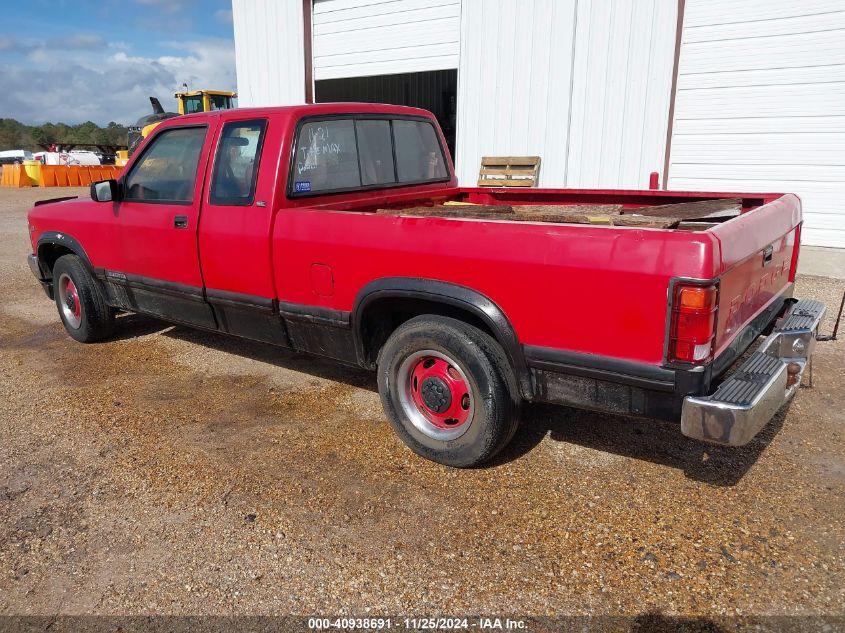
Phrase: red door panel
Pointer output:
(159, 216)
(237, 215)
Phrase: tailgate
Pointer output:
(759, 252)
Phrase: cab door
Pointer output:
(234, 235)
(158, 218)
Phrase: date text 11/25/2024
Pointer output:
(418, 624)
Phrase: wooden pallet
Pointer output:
(509, 171)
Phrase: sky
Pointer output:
(100, 60)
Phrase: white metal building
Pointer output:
(730, 95)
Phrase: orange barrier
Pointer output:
(48, 175)
(58, 175)
(15, 176)
(84, 177)
(73, 176)
(61, 176)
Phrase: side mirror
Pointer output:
(104, 191)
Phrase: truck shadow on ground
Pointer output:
(655, 441)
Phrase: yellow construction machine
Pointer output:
(204, 100)
(189, 103)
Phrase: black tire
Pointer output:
(492, 388)
(95, 316)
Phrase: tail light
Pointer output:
(693, 326)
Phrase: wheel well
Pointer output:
(383, 316)
(48, 254)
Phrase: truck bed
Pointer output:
(643, 209)
(537, 252)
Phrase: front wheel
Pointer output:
(448, 391)
(83, 309)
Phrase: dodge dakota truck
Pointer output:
(340, 230)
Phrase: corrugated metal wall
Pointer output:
(356, 38)
(514, 83)
(585, 84)
(761, 105)
(269, 52)
(624, 55)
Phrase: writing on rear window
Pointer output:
(344, 154)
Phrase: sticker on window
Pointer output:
(301, 186)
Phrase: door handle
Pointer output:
(180, 222)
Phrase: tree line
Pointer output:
(35, 138)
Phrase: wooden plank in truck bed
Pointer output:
(691, 210)
(602, 214)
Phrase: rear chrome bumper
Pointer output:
(745, 402)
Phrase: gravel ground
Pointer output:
(178, 472)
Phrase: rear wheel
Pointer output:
(82, 306)
(448, 391)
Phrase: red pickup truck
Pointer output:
(308, 227)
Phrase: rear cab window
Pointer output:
(346, 153)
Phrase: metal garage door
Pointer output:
(761, 105)
(359, 38)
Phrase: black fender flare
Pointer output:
(453, 295)
(67, 241)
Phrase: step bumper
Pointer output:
(745, 402)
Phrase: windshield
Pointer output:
(192, 104)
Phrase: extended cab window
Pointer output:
(168, 169)
(236, 164)
(364, 152)
(418, 153)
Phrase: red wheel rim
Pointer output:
(69, 302)
(440, 392)
(73, 297)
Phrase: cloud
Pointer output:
(77, 42)
(90, 86)
(224, 16)
(13, 45)
(69, 43)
